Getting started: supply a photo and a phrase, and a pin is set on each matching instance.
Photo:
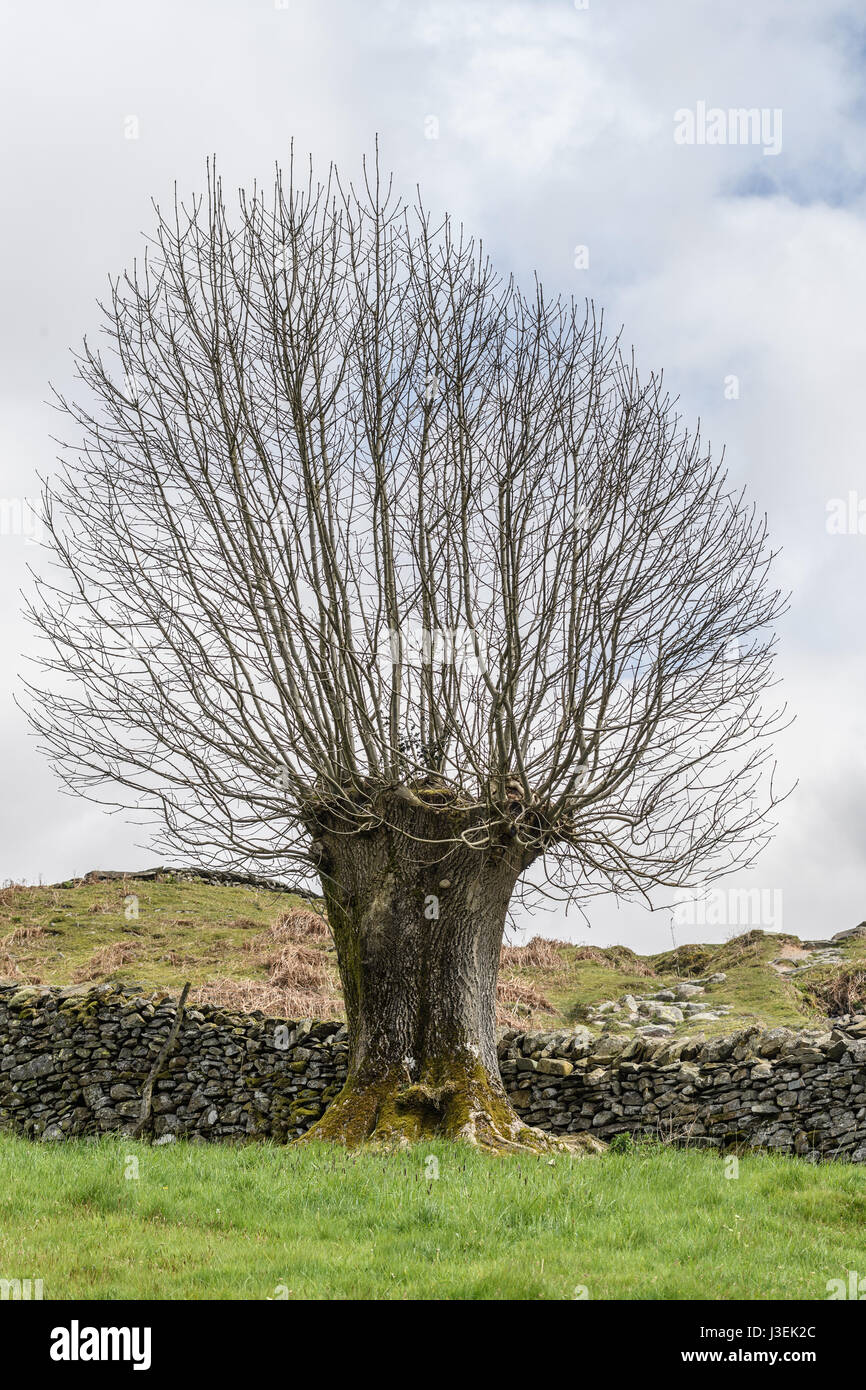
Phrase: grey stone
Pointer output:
(75, 1064)
(33, 1069)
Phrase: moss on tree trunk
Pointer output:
(417, 917)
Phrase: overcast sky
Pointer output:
(569, 137)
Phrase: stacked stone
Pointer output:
(74, 1061)
(793, 1091)
(657, 1014)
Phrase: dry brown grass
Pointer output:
(540, 952)
(9, 966)
(301, 981)
(22, 934)
(27, 897)
(104, 960)
(298, 927)
(301, 924)
(512, 990)
(300, 968)
(843, 992)
(505, 1018)
(11, 894)
(248, 996)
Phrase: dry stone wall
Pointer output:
(794, 1091)
(75, 1062)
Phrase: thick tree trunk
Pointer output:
(418, 927)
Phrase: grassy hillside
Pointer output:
(251, 948)
(230, 942)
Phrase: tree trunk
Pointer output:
(418, 928)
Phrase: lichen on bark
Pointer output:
(417, 916)
(452, 1101)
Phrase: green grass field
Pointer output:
(263, 1222)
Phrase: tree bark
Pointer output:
(418, 923)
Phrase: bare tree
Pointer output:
(366, 560)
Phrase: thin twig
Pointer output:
(147, 1094)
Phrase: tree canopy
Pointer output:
(344, 514)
